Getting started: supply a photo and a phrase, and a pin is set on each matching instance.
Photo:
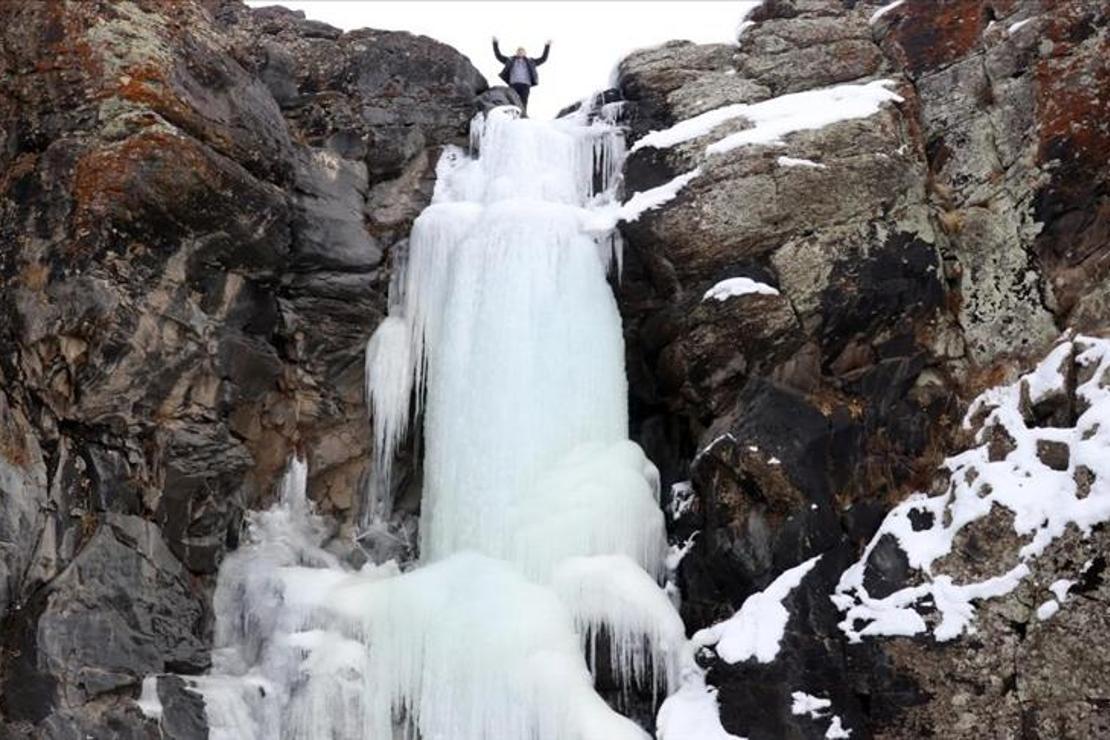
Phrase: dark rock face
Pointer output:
(182, 710)
(197, 209)
(932, 249)
(758, 696)
(122, 609)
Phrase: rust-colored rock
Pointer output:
(197, 201)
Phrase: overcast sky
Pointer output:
(588, 38)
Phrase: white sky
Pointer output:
(588, 38)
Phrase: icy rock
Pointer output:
(497, 97)
(892, 410)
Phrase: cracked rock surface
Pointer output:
(921, 254)
(197, 207)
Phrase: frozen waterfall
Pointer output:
(540, 527)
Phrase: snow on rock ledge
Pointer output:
(775, 118)
(737, 286)
(757, 629)
(1042, 456)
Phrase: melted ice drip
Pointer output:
(540, 526)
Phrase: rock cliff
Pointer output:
(918, 255)
(197, 208)
(198, 204)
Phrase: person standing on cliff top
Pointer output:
(519, 71)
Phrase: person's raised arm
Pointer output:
(497, 52)
(543, 58)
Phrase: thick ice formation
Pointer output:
(540, 531)
(1045, 501)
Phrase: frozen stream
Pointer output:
(540, 520)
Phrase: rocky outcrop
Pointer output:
(198, 205)
(918, 253)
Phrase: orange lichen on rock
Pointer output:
(932, 34)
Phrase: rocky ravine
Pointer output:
(921, 254)
(198, 203)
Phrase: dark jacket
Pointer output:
(532, 63)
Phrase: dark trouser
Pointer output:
(522, 90)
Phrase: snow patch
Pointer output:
(884, 10)
(757, 629)
(737, 286)
(817, 708)
(677, 552)
(1048, 609)
(813, 109)
(648, 200)
(691, 128)
(727, 436)
(682, 498)
(604, 218)
(775, 118)
(1015, 27)
(149, 703)
(792, 162)
(692, 712)
(836, 730)
(1060, 589)
(804, 703)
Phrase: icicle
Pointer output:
(293, 488)
(389, 385)
(612, 594)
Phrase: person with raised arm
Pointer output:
(519, 71)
